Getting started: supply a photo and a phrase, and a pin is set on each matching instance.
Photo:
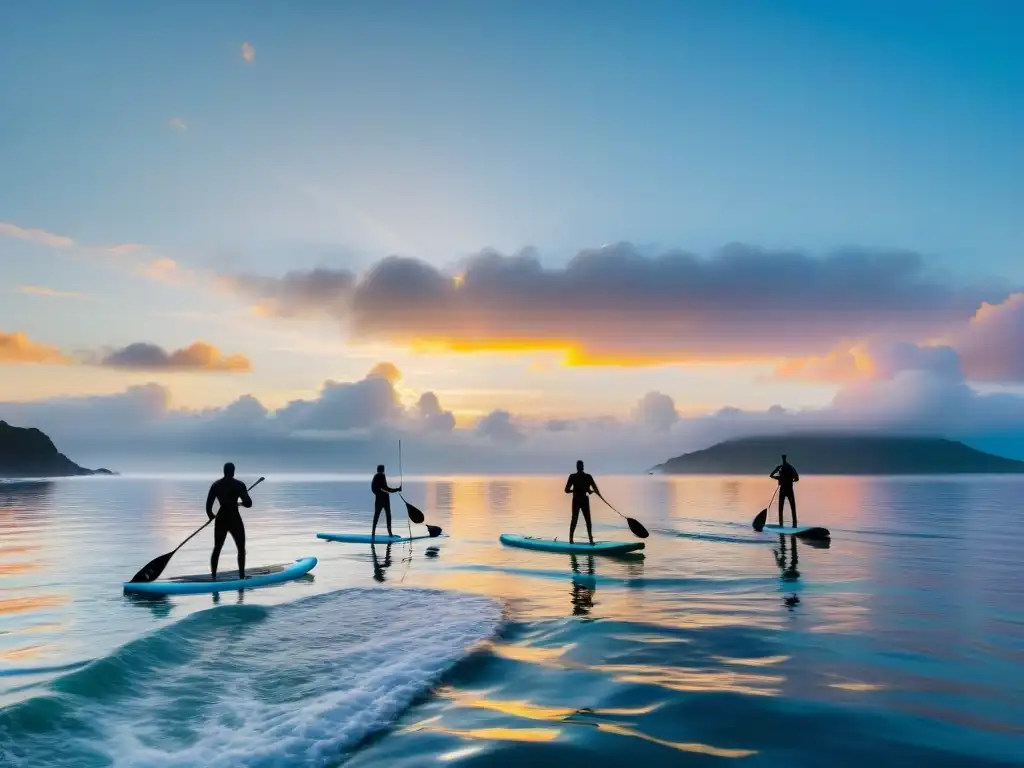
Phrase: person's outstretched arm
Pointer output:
(593, 485)
(775, 473)
(243, 494)
(209, 500)
(394, 490)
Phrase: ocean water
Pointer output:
(900, 643)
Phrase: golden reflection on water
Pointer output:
(694, 680)
(12, 605)
(526, 710)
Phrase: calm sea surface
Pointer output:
(902, 643)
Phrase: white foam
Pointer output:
(294, 685)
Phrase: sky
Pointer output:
(514, 233)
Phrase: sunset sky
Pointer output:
(596, 227)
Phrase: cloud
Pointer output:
(178, 124)
(614, 306)
(42, 290)
(38, 236)
(320, 291)
(17, 348)
(350, 426)
(657, 411)
(198, 356)
(989, 347)
(248, 52)
(992, 344)
(498, 426)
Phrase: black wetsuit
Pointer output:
(381, 501)
(786, 474)
(579, 485)
(228, 490)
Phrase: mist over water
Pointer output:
(900, 643)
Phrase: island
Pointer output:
(840, 454)
(27, 452)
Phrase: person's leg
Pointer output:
(791, 495)
(220, 533)
(782, 504)
(387, 512)
(377, 509)
(575, 519)
(585, 508)
(238, 534)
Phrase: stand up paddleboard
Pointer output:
(554, 545)
(226, 582)
(364, 538)
(800, 531)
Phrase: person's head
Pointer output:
(380, 468)
(229, 470)
(579, 466)
(783, 458)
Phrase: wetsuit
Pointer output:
(381, 501)
(786, 474)
(579, 485)
(228, 491)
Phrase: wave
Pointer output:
(300, 684)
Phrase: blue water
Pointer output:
(901, 643)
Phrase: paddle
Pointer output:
(762, 517)
(414, 512)
(634, 525)
(154, 568)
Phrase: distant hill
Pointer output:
(30, 453)
(837, 454)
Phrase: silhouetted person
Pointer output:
(228, 491)
(786, 474)
(580, 485)
(381, 499)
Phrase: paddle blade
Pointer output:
(638, 530)
(152, 569)
(414, 513)
(434, 531)
(759, 521)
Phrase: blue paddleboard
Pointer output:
(364, 538)
(554, 545)
(200, 584)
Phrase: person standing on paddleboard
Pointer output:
(228, 490)
(786, 475)
(381, 499)
(581, 485)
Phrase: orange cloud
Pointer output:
(16, 348)
(837, 367)
(198, 356)
(248, 52)
(613, 306)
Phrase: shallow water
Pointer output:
(901, 643)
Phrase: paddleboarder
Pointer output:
(786, 475)
(381, 499)
(581, 485)
(228, 490)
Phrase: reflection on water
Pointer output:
(583, 585)
(900, 638)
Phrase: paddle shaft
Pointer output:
(186, 541)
